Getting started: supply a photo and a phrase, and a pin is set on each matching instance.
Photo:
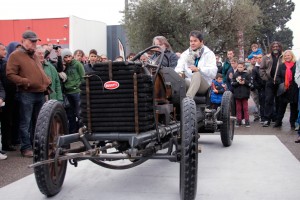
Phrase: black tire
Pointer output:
(227, 128)
(189, 150)
(51, 123)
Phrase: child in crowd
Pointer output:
(255, 51)
(217, 90)
(241, 83)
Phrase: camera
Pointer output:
(56, 47)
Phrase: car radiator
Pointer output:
(117, 97)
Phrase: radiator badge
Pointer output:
(111, 85)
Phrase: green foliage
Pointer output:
(219, 21)
(148, 18)
(275, 15)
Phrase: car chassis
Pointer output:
(146, 112)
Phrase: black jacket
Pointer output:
(258, 83)
(241, 91)
(2, 91)
(170, 59)
(291, 94)
(88, 68)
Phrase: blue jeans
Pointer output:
(30, 106)
(73, 112)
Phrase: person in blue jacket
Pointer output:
(217, 90)
(255, 51)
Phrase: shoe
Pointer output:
(238, 124)
(266, 124)
(247, 124)
(3, 156)
(293, 126)
(27, 153)
(3, 152)
(9, 148)
(298, 140)
(277, 124)
(256, 118)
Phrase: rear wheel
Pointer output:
(189, 150)
(227, 128)
(51, 123)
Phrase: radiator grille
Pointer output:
(114, 110)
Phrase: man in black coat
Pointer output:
(6, 139)
(259, 85)
(267, 70)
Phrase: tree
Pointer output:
(219, 20)
(146, 19)
(271, 27)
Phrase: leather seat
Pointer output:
(203, 98)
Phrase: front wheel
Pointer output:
(189, 150)
(227, 128)
(51, 123)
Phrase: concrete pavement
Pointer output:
(254, 167)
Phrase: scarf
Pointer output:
(194, 56)
(288, 74)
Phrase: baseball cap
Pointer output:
(30, 35)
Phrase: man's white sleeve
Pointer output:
(210, 66)
(180, 63)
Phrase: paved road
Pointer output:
(15, 167)
(254, 167)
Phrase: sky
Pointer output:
(107, 11)
(293, 24)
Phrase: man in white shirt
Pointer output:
(197, 65)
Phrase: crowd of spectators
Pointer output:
(273, 82)
(30, 76)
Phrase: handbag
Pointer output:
(281, 89)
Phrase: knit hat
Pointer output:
(66, 52)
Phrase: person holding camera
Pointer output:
(241, 83)
(56, 61)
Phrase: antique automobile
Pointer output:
(129, 111)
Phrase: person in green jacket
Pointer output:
(51, 72)
(227, 65)
(74, 76)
